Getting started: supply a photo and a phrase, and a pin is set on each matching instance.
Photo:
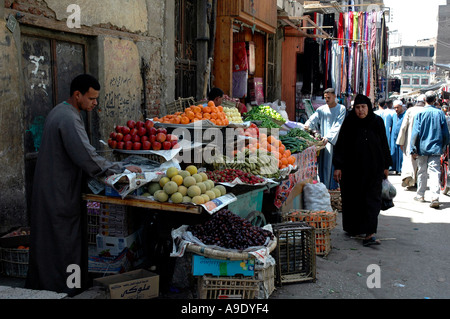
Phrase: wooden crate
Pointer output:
(210, 287)
(295, 253)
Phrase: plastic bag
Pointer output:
(317, 197)
(388, 190)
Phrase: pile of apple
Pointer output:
(139, 135)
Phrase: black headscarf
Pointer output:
(362, 99)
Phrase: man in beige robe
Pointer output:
(409, 168)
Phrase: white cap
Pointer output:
(398, 102)
(421, 98)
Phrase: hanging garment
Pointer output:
(373, 26)
(355, 26)
(350, 26)
(341, 25)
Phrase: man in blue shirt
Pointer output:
(429, 137)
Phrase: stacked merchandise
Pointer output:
(117, 243)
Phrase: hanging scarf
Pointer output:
(341, 29)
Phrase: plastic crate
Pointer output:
(210, 287)
(295, 253)
(14, 262)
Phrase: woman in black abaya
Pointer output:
(361, 160)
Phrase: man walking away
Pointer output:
(429, 137)
(409, 165)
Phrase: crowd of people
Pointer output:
(367, 142)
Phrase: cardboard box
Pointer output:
(137, 284)
(115, 245)
(218, 267)
(295, 197)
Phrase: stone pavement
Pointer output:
(413, 258)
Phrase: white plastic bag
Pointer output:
(316, 197)
(388, 190)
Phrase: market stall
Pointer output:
(207, 203)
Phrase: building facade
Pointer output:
(413, 65)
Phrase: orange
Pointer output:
(184, 120)
(199, 115)
(291, 160)
(196, 109)
(214, 115)
(207, 116)
(282, 148)
(211, 103)
(287, 152)
(284, 161)
(220, 108)
(207, 109)
(214, 109)
(187, 109)
(190, 115)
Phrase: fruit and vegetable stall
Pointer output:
(212, 195)
(209, 203)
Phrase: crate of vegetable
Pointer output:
(317, 219)
(322, 221)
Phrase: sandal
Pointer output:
(371, 241)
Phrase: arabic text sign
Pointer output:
(138, 284)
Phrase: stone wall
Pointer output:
(129, 49)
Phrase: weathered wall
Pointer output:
(130, 50)
(131, 15)
(12, 205)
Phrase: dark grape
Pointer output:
(226, 229)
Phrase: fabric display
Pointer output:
(350, 60)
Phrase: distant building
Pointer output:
(413, 65)
(443, 42)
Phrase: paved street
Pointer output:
(413, 257)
